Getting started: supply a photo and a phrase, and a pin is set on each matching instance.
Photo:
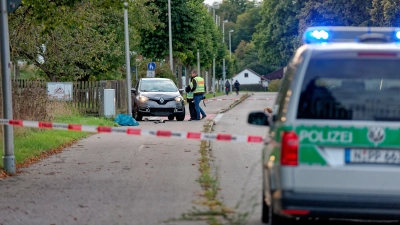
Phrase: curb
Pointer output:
(237, 102)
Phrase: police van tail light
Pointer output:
(290, 149)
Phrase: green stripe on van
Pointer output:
(309, 155)
(347, 136)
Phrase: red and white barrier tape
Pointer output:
(134, 131)
(222, 99)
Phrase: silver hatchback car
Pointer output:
(157, 97)
(333, 147)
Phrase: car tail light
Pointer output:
(298, 212)
(290, 149)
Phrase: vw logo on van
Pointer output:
(376, 134)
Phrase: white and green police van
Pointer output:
(333, 149)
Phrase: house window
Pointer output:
(246, 75)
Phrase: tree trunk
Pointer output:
(17, 71)
(179, 63)
(188, 74)
(209, 85)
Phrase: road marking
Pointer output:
(218, 117)
(139, 150)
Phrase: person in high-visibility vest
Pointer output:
(190, 101)
(198, 88)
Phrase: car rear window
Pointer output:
(360, 88)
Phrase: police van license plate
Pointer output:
(381, 156)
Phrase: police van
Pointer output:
(333, 148)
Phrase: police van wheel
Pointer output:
(278, 220)
(171, 117)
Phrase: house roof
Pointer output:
(277, 74)
(255, 73)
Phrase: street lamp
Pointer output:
(223, 60)
(8, 131)
(223, 30)
(170, 36)
(230, 45)
(215, 17)
(127, 59)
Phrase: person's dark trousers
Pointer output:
(192, 109)
(199, 110)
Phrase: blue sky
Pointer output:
(210, 2)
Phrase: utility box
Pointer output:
(109, 102)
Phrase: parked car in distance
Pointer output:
(157, 97)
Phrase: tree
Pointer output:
(385, 13)
(192, 29)
(73, 40)
(335, 13)
(246, 26)
(229, 10)
(247, 57)
(277, 34)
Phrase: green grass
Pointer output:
(211, 95)
(30, 142)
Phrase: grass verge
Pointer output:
(211, 95)
(32, 145)
(209, 208)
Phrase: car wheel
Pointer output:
(171, 117)
(136, 114)
(182, 116)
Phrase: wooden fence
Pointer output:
(87, 95)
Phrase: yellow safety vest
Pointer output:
(189, 95)
(200, 85)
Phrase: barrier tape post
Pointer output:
(135, 131)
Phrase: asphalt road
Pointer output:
(135, 180)
(238, 164)
(111, 179)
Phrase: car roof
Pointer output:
(156, 78)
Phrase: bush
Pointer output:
(31, 103)
(273, 85)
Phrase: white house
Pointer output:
(247, 76)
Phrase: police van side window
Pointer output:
(351, 89)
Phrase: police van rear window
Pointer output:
(351, 89)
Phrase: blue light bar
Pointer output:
(348, 34)
(316, 36)
(398, 35)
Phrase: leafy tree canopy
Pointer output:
(74, 40)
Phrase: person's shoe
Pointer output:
(203, 116)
